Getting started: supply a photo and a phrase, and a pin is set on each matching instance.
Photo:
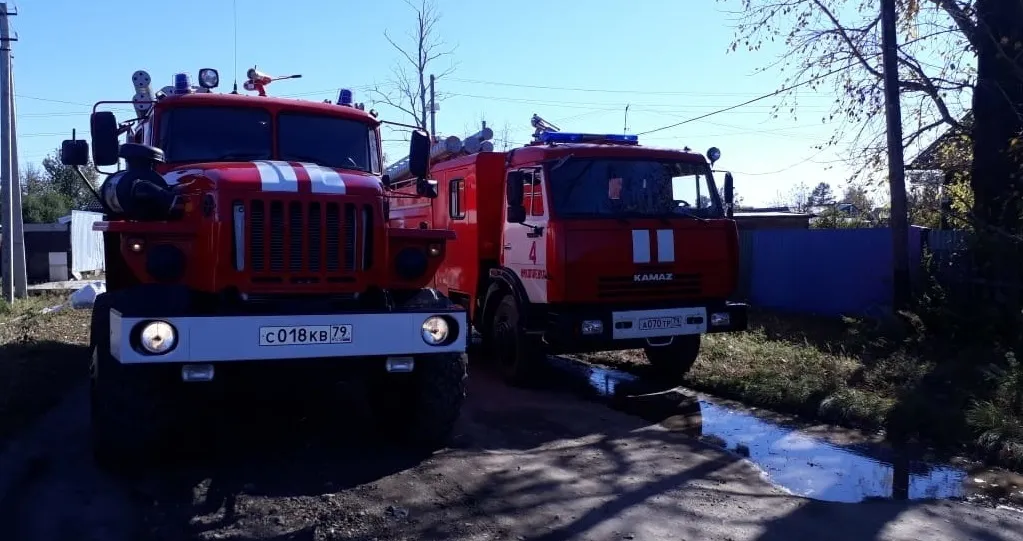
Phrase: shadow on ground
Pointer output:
(35, 376)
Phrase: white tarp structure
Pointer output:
(86, 296)
(86, 244)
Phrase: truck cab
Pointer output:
(247, 247)
(581, 242)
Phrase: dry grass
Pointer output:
(42, 355)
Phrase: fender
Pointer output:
(503, 278)
(155, 300)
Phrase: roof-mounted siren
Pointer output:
(542, 126)
(143, 98)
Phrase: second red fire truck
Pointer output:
(580, 243)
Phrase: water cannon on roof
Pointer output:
(258, 81)
(542, 127)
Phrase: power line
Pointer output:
(603, 90)
(747, 102)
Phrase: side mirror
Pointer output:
(729, 195)
(515, 187)
(426, 188)
(386, 180)
(419, 154)
(104, 138)
(74, 152)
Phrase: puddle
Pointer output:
(806, 465)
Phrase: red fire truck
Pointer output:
(580, 243)
(247, 242)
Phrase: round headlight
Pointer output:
(158, 337)
(435, 330)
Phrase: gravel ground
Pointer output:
(523, 465)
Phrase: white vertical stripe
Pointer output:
(277, 176)
(665, 246)
(324, 179)
(640, 246)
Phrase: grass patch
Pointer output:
(894, 376)
(42, 355)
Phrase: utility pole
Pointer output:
(433, 106)
(6, 171)
(18, 227)
(896, 168)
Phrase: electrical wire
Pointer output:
(747, 102)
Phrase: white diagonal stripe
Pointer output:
(277, 176)
(324, 179)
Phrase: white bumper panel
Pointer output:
(658, 323)
(250, 338)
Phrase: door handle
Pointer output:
(507, 246)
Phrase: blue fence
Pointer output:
(828, 272)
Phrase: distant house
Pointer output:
(946, 157)
(750, 219)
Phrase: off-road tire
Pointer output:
(129, 413)
(421, 408)
(517, 356)
(673, 361)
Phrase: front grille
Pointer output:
(626, 287)
(308, 241)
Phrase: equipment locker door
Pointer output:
(525, 248)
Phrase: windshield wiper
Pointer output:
(562, 161)
(688, 214)
(318, 161)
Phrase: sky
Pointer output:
(576, 63)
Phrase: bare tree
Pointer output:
(408, 88)
(839, 43)
(503, 136)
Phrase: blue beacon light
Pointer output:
(565, 137)
(182, 83)
(345, 97)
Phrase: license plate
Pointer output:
(303, 335)
(654, 323)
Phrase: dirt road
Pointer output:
(533, 465)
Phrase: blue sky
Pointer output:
(665, 58)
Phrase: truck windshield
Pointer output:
(582, 187)
(207, 134)
(334, 142)
(198, 134)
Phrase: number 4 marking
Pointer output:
(532, 252)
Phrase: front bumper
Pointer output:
(584, 329)
(203, 339)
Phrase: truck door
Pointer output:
(525, 248)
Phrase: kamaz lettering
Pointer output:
(654, 277)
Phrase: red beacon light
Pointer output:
(258, 80)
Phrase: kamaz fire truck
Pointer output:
(246, 236)
(583, 242)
